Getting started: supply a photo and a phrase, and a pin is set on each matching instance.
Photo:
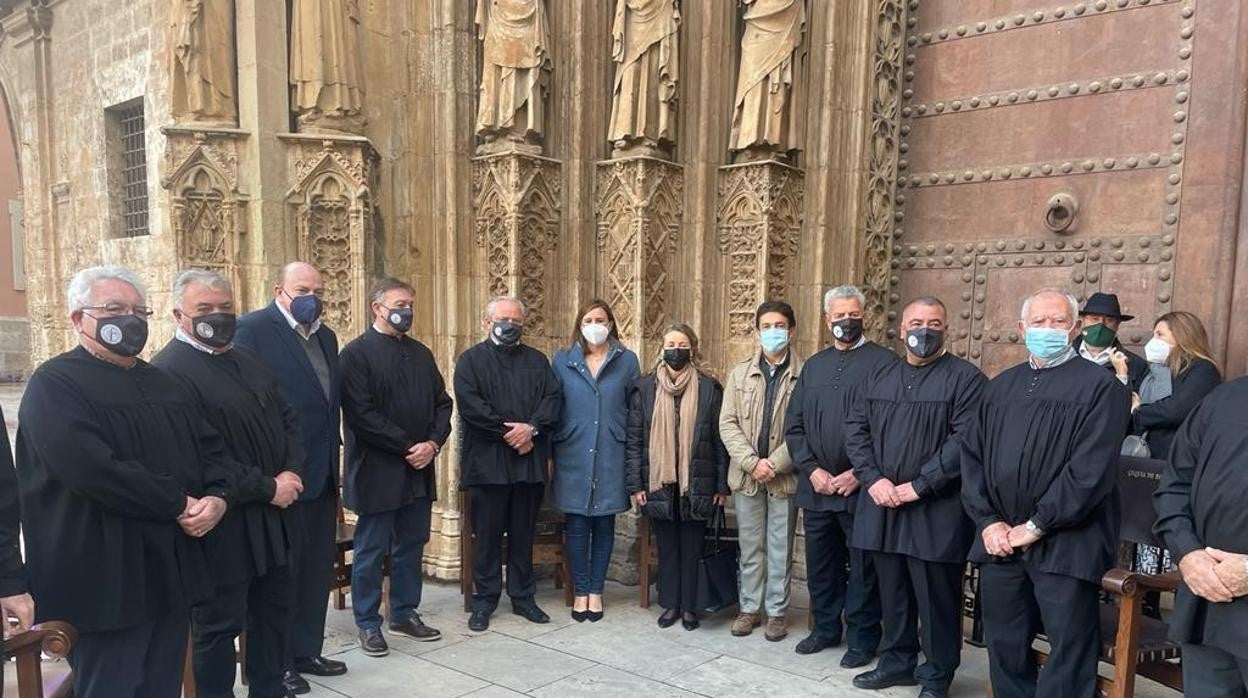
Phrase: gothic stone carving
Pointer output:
(639, 206)
(882, 154)
(327, 83)
(645, 47)
(331, 203)
(759, 222)
(203, 61)
(207, 210)
(511, 113)
(516, 207)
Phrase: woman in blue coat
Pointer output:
(595, 373)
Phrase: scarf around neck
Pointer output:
(669, 446)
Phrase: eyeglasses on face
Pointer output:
(118, 309)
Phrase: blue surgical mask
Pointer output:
(1047, 342)
(305, 309)
(773, 340)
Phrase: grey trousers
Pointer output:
(766, 525)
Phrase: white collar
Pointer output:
(294, 324)
(181, 335)
(1101, 358)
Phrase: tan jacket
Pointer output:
(742, 416)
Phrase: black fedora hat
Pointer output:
(1104, 304)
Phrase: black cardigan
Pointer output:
(1162, 419)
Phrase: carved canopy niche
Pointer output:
(207, 211)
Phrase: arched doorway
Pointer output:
(14, 321)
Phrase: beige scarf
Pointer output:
(664, 446)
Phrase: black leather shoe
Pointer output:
(372, 643)
(295, 683)
(479, 621)
(855, 658)
(814, 643)
(689, 620)
(930, 692)
(416, 629)
(593, 616)
(580, 616)
(669, 617)
(531, 613)
(320, 666)
(875, 679)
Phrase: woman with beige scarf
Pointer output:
(676, 466)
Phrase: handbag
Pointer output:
(1136, 446)
(717, 586)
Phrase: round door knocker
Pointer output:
(1060, 213)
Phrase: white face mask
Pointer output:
(595, 333)
(1156, 351)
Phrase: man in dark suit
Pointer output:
(1098, 341)
(288, 337)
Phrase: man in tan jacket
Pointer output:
(760, 473)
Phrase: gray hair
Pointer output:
(386, 285)
(493, 303)
(205, 277)
(843, 292)
(78, 294)
(1070, 300)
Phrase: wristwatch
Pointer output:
(1033, 529)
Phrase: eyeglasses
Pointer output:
(118, 309)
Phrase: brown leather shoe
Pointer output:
(777, 629)
(745, 624)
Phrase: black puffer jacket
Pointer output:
(708, 466)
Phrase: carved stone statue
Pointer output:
(515, 60)
(645, 48)
(327, 84)
(764, 121)
(203, 62)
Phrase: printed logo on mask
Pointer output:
(110, 334)
(205, 330)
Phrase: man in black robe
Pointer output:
(120, 476)
(1039, 482)
(289, 338)
(903, 437)
(826, 487)
(509, 401)
(17, 609)
(1101, 318)
(1202, 515)
(398, 417)
(249, 550)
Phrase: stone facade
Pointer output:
(662, 224)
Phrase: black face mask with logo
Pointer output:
(506, 333)
(848, 330)
(399, 318)
(124, 335)
(215, 329)
(924, 342)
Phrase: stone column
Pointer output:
(330, 208)
(759, 222)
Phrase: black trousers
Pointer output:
(312, 566)
(262, 605)
(1017, 601)
(920, 595)
(841, 581)
(497, 510)
(143, 661)
(681, 545)
(1209, 672)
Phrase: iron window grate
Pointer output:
(131, 123)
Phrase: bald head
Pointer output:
(297, 279)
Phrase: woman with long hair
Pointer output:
(677, 467)
(596, 373)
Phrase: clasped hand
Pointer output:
(201, 515)
(884, 493)
(1215, 575)
(519, 436)
(289, 487)
(1001, 539)
(843, 485)
(421, 455)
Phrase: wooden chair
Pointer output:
(548, 549)
(52, 638)
(345, 544)
(1131, 642)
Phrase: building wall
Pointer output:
(14, 325)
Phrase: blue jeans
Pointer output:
(402, 535)
(589, 541)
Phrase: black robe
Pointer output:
(106, 458)
(1202, 500)
(815, 423)
(12, 572)
(240, 398)
(1158, 421)
(1044, 446)
(496, 384)
(393, 397)
(907, 427)
(1137, 367)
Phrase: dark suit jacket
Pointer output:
(266, 333)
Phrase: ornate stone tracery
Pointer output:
(207, 209)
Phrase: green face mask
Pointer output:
(1098, 335)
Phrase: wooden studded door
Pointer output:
(1048, 144)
